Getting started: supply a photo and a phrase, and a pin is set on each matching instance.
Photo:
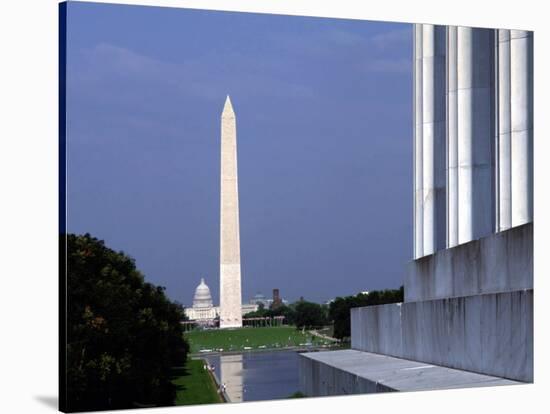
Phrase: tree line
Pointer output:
(340, 308)
(310, 315)
(302, 314)
(124, 336)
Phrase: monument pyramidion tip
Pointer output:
(228, 108)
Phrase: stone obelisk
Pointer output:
(230, 251)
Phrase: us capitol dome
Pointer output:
(202, 298)
(203, 310)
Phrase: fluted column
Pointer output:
(452, 138)
(473, 147)
(475, 132)
(504, 165)
(521, 103)
(430, 138)
(418, 180)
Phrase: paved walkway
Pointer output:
(320, 335)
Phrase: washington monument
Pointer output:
(230, 250)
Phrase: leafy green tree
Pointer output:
(123, 334)
(261, 312)
(289, 312)
(281, 310)
(340, 308)
(309, 315)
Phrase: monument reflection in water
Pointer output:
(231, 374)
(255, 376)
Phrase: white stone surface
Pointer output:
(452, 137)
(515, 124)
(377, 327)
(501, 262)
(521, 102)
(504, 132)
(230, 255)
(475, 122)
(214, 312)
(476, 147)
(418, 151)
(430, 139)
(353, 372)
(490, 334)
(202, 314)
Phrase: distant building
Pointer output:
(204, 312)
(276, 299)
(248, 307)
(260, 299)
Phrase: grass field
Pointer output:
(249, 338)
(195, 385)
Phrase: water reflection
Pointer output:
(256, 376)
(231, 375)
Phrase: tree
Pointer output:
(340, 308)
(309, 315)
(261, 312)
(281, 310)
(289, 312)
(123, 334)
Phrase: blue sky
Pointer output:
(324, 130)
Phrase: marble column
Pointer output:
(230, 254)
(504, 160)
(473, 134)
(475, 115)
(521, 125)
(430, 139)
(417, 164)
(452, 138)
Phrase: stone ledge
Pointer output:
(501, 262)
(356, 372)
(490, 334)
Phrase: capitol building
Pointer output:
(203, 308)
(204, 312)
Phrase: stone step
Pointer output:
(357, 372)
(489, 334)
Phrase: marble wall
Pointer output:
(500, 262)
(490, 334)
(351, 372)
(318, 378)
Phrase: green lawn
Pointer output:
(195, 385)
(253, 338)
